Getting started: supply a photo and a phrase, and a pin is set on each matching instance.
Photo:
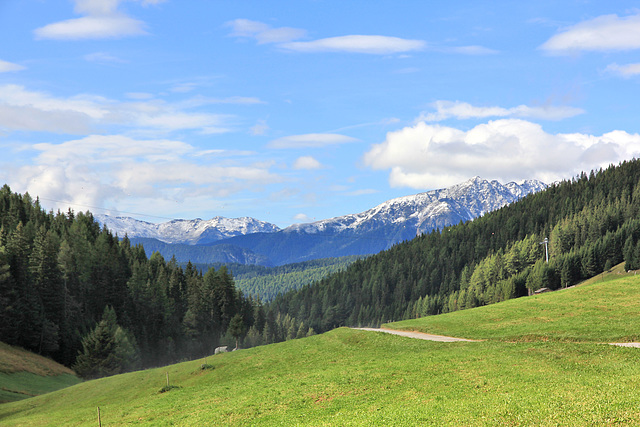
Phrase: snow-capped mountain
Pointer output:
(385, 225)
(364, 233)
(191, 232)
(423, 212)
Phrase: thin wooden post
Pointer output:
(99, 420)
(167, 378)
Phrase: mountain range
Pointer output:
(250, 241)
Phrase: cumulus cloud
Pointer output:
(372, 44)
(626, 71)
(102, 169)
(306, 163)
(463, 110)
(604, 33)
(263, 33)
(427, 156)
(23, 109)
(6, 67)
(102, 20)
(311, 140)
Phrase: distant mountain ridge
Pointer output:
(424, 212)
(189, 232)
(364, 233)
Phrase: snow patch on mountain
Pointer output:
(196, 231)
(403, 217)
(426, 211)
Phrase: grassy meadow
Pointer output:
(24, 374)
(605, 308)
(544, 361)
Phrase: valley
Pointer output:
(324, 213)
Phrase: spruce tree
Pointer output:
(107, 349)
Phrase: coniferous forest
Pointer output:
(591, 222)
(75, 292)
(93, 301)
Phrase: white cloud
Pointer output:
(98, 170)
(6, 67)
(306, 163)
(263, 33)
(102, 20)
(284, 37)
(472, 50)
(626, 71)
(29, 110)
(92, 27)
(431, 156)
(604, 33)
(381, 45)
(302, 219)
(311, 140)
(463, 110)
(33, 119)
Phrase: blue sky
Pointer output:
(299, 111)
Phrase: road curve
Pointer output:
(417, 335)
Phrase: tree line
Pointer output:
(267, 282)
(73, 291)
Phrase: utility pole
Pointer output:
(545, 242)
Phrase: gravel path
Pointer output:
(418, 335)
(442, 338)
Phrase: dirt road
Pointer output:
(418, 335)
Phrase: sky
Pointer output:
(293, 112)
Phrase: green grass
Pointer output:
(21, 385)
(24, 374)
(350, 377)
(605, 309)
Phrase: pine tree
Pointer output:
(107, 349)
(237, 328)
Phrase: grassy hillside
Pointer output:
(600, 311)
(524, 373)
(24, 374)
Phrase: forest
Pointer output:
(591, 222)
(90, 300)
(267, 282)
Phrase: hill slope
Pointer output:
(600, 310)
(24, 374)
(348, 377)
